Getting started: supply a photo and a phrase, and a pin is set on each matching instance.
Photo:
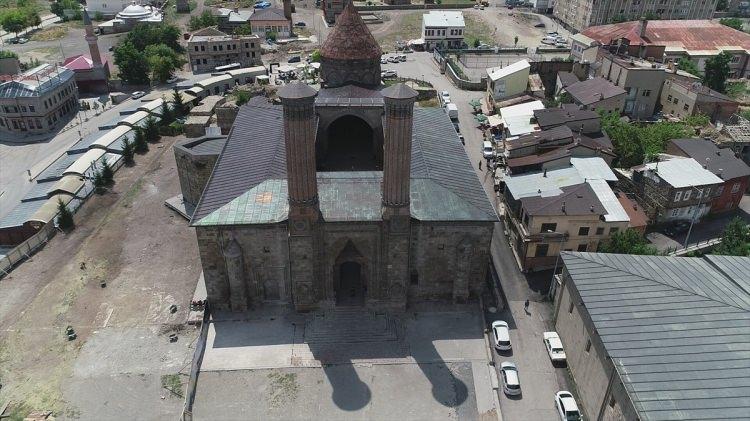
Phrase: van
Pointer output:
(452, 110)
(488, 151)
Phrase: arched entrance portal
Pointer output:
(349, 147)
(350, 290)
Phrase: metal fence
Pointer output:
(24, 250)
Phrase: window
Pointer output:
(541, 250)
(685, 107)
(32, 108)
(677, 196)
(583, 247)
(588, 345)
(669, 98)
(414, 279)
(735, 59)
(203, 48)
(583, 231)
(735, 187)
(720, 191)
(600, 231)
(646, 92)
(570, 307)
(196, 48)
(214, 48)
(549, 227)
(613, 230)
(687, 195)
(698, 193)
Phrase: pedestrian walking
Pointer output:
(480, 165)
(526, 306)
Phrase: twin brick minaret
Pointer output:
(91, 39)
(300, 128)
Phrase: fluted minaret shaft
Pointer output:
(299, 136)
(399, 119)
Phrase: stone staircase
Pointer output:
(350, 325)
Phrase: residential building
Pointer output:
(107, 8)
(723, 163)
(736, 135)
(39, 100)
(571, 208)
(582, 48)
(210, 48)
(597, 94)
(681, 99)
(641, 80)
(92, 71)
(675, 188)
(655, 337)
(739, 8)
(130, 16)
(332, 9)
(670, 40)
(443, 29)
(581, 14)
(542, 6)
(271, 21)
(563, 80)
(508, 81)
(517, 120)
(579, 121)
(231, 19)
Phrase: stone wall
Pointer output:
(193, 172)
(225, 116)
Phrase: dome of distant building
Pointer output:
(135, 11)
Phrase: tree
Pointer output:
(64, 217)
(476, 43)
(315, 56)
(32, 17)
(108, 174)
(734, 23)
(629, 241)
(59, 8)
(271, 35)
(132, 63)
(717, 72)
(140, 145)
(128, 152)
(151, 130)
(242, 96)
(162, 61)
(167, 114)
(688, 66)
(735, 239)
(14, 20)
(100, 185)
(204, 20)
(515, 41)
(179, 103)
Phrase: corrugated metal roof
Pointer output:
(39, 191)
(683, 172)
(495, 73)
(255, 152)
(21, 213)
(84, 162)
(112, 140)
(614, 210)
(56, 169)
(593, 168)
(83, 145)
(676, 328)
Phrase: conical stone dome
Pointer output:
(350, 54)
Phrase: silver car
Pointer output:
(511, 381)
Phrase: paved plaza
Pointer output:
(347, 364)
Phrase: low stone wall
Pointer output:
(415, 7)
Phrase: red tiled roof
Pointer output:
(350, 38)
(79, 62)
(691, 35)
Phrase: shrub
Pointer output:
(64, 217)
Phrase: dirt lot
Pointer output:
(148, 257)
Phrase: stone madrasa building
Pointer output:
(349, 195)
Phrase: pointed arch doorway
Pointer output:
(350, 283)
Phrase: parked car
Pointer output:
(540, 25)
(484, 46)
(401, 57)
(549, 40)
(554, 346)
(511, 382)
(461, 138)
(294, 59)
(393, 59)
(677, 227)
(385, 74)
(561, 44)
(383, 60)
(262, 5)
(23, 40)
(500, 331)
(488, 151)
(300, 24)
(567, 407)
(138, 94)
(445, 97)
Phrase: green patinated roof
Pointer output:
(344, 196)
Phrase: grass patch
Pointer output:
(477, 29)
(429, 103)
(408, 27)
(283, 388)
(173, 383)
(737, 90)
(50, 34)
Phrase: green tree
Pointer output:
(32, 17)
(14, 20)
(315, 56)
(162, 61)
(565, 98)
(204, 20)
(242, 96)
(717, 71)
(271, 35)
(8, 54)
(151, 130)
(179, 103)
(243, 30)
(734, 23)
(100, 186)
(629, 241)
(132, 63)
(476, 43)
(64, 217)
(140, 145)
(167, 114)
(59, 7)
(108, 174)
(735, 239)
(688, 66)
(128, 152)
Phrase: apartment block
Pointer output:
(210, 48)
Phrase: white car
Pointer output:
(138, 94)
(554, 346)
(567, 407)
(388, 74)
(549, 40)
(488, 151)
(501, 333)
(511, 382)
(172, 79)
(383, 60)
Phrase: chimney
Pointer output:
(300, 120)
(399, 119)
(644, 24)
(288, 9)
